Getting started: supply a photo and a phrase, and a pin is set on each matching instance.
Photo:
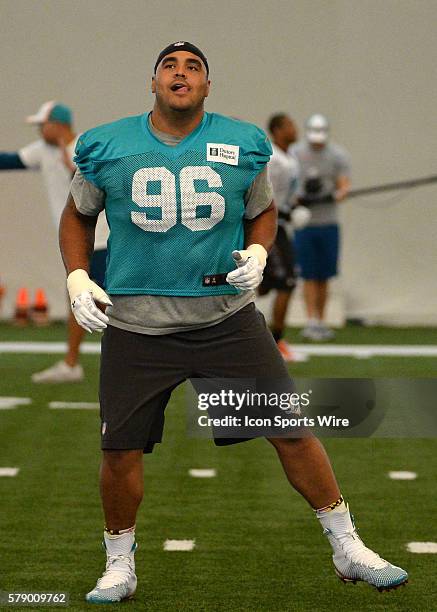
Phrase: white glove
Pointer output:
(83, 291)
(251, 263)
(300, 217)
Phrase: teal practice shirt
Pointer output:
(175, 212)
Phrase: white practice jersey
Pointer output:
(283, 172)
(57, 178)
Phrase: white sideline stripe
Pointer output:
(360, 354)
(205, 473)
(8, 471)
(360, 351)
(46, 347)
(402, 475)
(368, 350)
(179, 545)
(422, 547)
(8, 403)
(74, 405)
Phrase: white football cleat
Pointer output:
(61, 372)
(353, 561)
(118, 581)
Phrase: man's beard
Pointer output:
(192, 109)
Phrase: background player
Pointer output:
(53, 155)
(279, 273)
(324, 171)
(176, 257)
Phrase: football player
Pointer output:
(323, 182)
(183, 190)
(53, 155)
(279, 273)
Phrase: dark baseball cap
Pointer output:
(181, 46)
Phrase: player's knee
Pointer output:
(122, 460)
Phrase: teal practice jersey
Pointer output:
(175, 212)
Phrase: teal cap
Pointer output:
(52, 111)
(61, 114)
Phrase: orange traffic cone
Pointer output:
(40, 309)
(2, 294)
(21, 316)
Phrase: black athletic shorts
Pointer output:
(279, 272)
(139, 372)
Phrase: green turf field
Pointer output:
(258, 546)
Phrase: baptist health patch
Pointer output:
(226, 154)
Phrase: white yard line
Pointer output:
(8, 403)
(361, 351)
(202, 473)
(321, 350)
(422, 547)
(402, 475)
(74, 405)
(46, 347)
(367, 350)
(9, 471)
(179, 545)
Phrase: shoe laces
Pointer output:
(118, 568)
(355, 550)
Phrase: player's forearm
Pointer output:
(262, 229)
(76, 237)
(11, 161)
(343, 186)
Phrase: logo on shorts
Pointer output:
(103, 428)
(223, 153)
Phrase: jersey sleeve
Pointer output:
(294, 182)
(101, 232)
(85, 148)
(275, 169)
(11, 161)
(343, 162)
(31, 155)
(259, 195)
(89, 199)
(260, 150)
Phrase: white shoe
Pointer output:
(59, 373)
(118, 581)
(317, 333)
(325, 332)
(353, 561)
(312, 332)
